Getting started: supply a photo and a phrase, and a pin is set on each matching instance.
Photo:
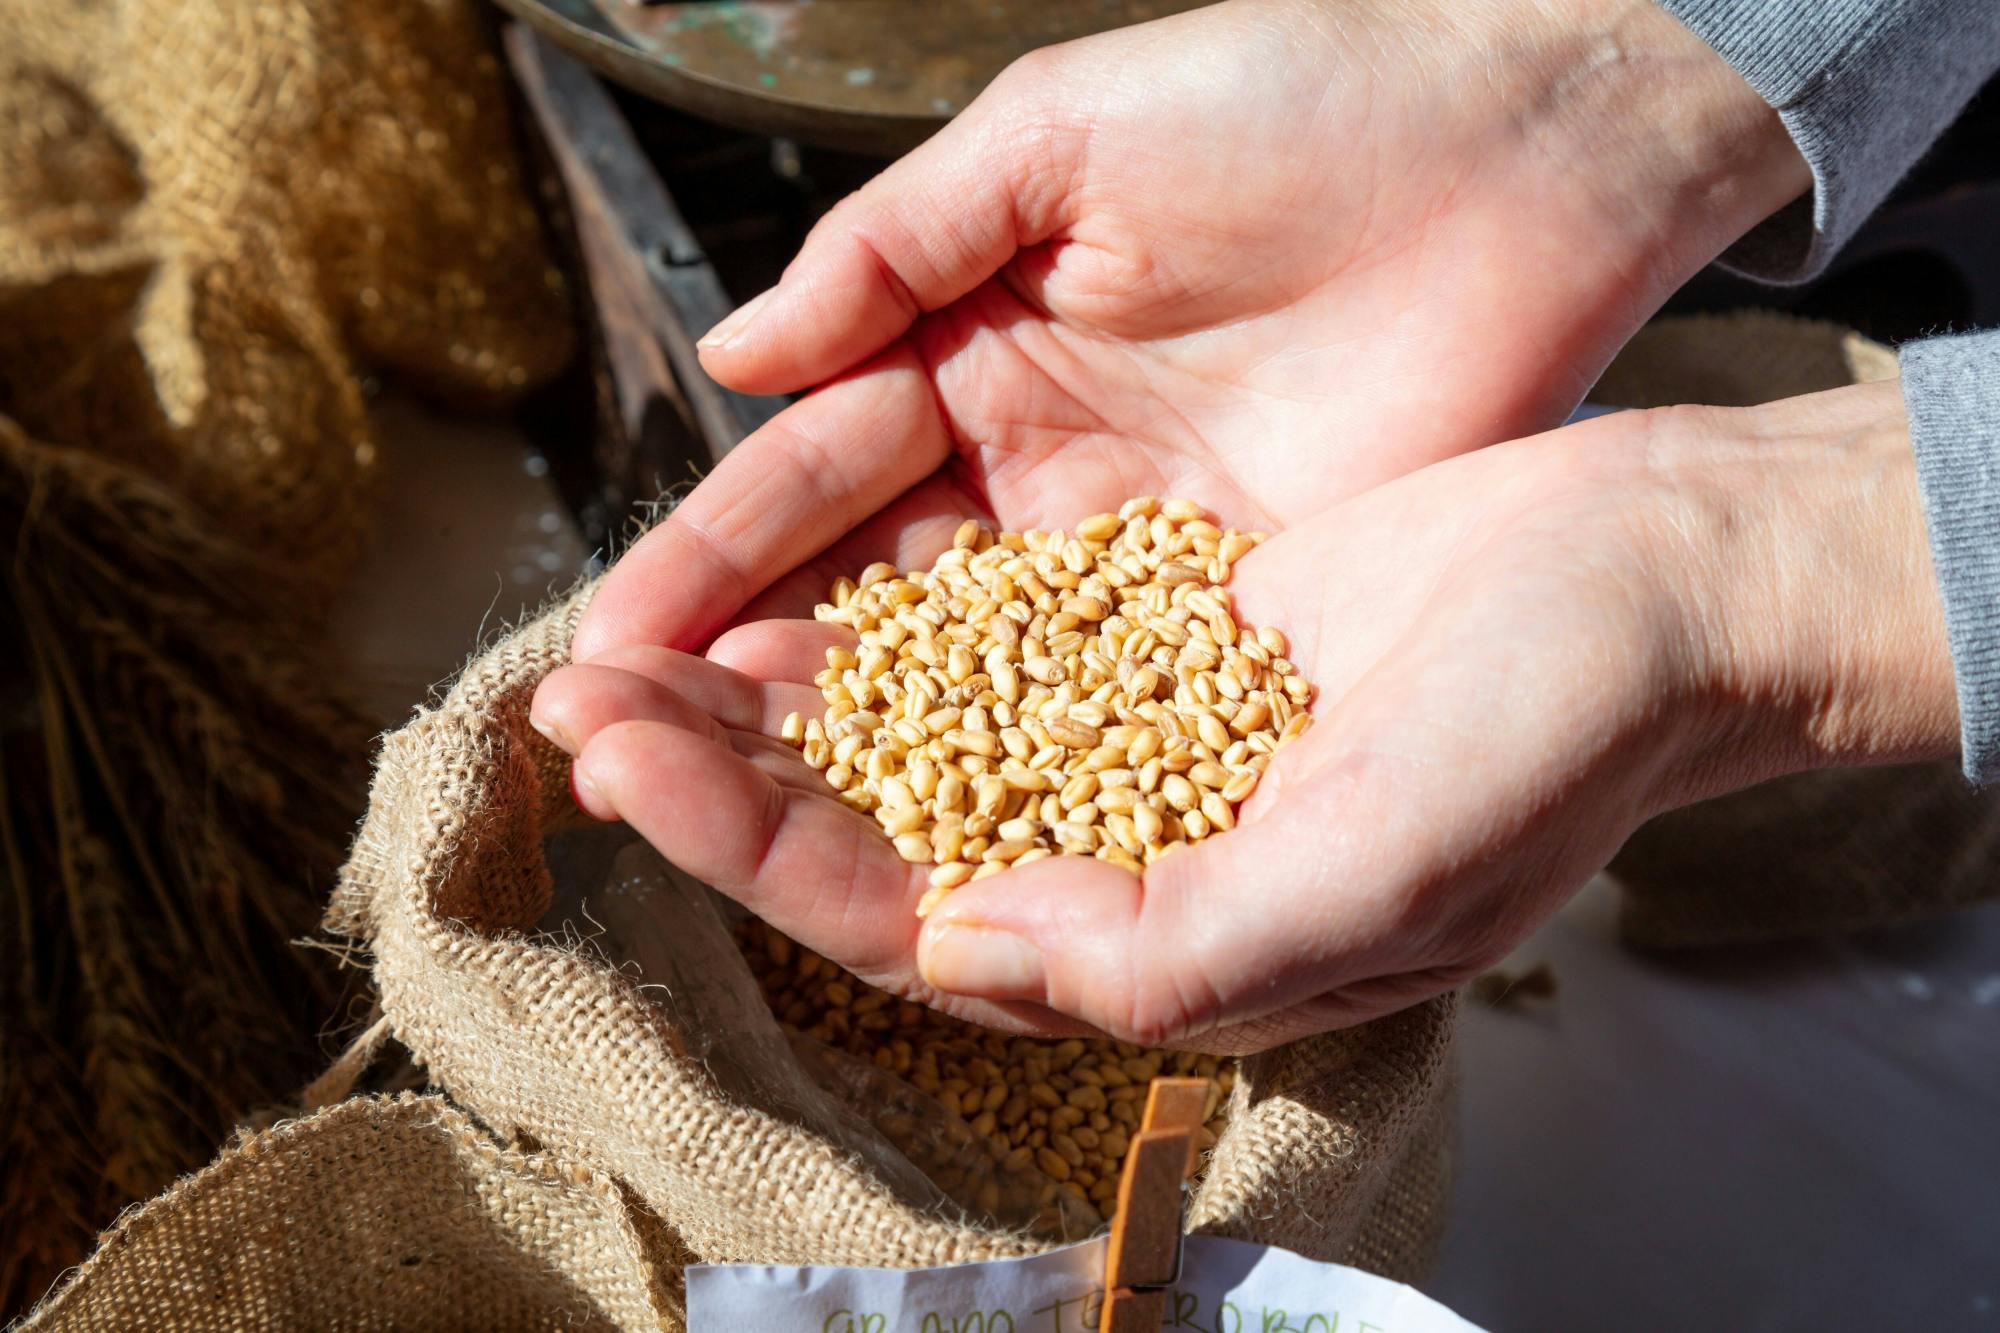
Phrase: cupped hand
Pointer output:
(1267, 253)
(1521, 655)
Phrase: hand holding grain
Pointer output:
(1266, 255)
(1519, 655)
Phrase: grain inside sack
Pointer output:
(1067, 1109)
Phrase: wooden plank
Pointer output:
(1146, 1236)
(1178, 1103)
(642, 248)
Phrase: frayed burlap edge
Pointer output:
(1335, 1148)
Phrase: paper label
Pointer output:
(1226, 1286)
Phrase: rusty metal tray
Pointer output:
(875, 76)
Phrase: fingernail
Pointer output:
(554, 735)
(733, 324)
(979, 960)
(585, 794)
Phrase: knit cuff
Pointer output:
(1951, 389)
(1863, 86)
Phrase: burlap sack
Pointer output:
(221, 221)
(376, 1213)
(1337, 1147)
(216, 219)
(1835, 850)
(1332, 1147)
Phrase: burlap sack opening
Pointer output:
(617, 900)
(1336, 1146)
(643, 1139)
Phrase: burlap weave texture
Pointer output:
(376, 1213)
(1337, 1146)
(221, 223)
(1334, 1146)
(217, 218)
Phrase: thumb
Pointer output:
(1232, 943)
(929, 229)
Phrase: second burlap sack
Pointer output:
(377, 1213)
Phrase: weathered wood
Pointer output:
(1143, 1256)
(652, 289)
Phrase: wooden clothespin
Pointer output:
(1144, 1256)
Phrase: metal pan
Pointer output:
(872, 76)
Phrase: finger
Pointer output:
(574, 703)
(783, 495)
(730, 698)
(812, 867)
(780, 650)
(926, 231)
(1360, 1002)
(1180, 956)
(829, 878)
(780, 761)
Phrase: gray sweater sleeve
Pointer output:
(1951, 388)
(1864, 87)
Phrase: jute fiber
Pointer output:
(1336, 1146)
(1813, 852)
(216, 219)
(376, 1213)
(219, 222)
(1333, 1147)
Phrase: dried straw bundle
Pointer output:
(177, 788)
(216, 221)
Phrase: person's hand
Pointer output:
(1522, 654)
(1266, 254)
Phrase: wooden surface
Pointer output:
(651, 288)
(1143, 1256)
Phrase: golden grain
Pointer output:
(1036, 693)
(1063, 1110)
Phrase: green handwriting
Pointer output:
(1067, 1314)
(851, 1321)
(978, 1321)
